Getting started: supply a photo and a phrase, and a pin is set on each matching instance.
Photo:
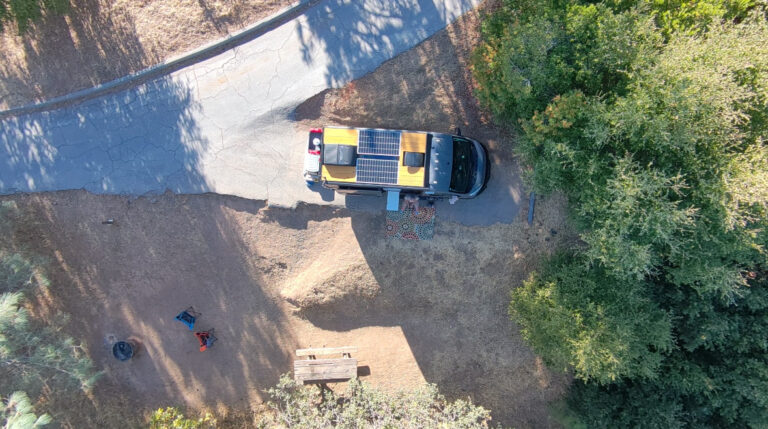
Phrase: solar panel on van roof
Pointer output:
(373, 170)
(379, 142)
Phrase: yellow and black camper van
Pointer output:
(368, 160)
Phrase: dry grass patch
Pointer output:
(101, 40)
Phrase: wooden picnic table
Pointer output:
(323, 370)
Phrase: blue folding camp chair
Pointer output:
(188, 318)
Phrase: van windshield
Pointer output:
(463, 174)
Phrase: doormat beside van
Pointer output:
(408, 225)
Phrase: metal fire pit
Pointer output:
(122, 350)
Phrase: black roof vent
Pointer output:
(339, 154)
(413, 159)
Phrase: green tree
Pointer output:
(688, 125)
(676, 162)
(602, 326)
(717, 377)
(18, 413)
(32, 354)
(24, 12)
(660, 311)
(298, 406)
(531, 55)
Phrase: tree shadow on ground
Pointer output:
(355, 35)
(430, 88)
(129, 142)
(98, 41)
(310, 213)
(427, 87)
(91, 44)
(440, 314)
(449, 296)
(147, 271)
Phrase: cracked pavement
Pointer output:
(223, 125)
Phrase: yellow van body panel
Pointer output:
(412, 176)
(339, 173)
(346, 136)
(343, 136)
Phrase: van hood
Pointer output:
(440, 158)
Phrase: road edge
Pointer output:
(202, 53)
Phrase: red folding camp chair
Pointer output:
(206, 339)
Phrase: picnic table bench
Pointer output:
(316, 370)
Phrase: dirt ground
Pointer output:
(428, 311)
(428, 87)
(101, 40)
(271, 281)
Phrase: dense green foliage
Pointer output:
(572, 320)
(24, 12)
(18, 413)
(691, 17)
(717, 377)
(172, 418)
(32, 354)
(297, 406)
(658, 138)
(548, 52)
(360, 406)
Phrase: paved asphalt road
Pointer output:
(225, 125)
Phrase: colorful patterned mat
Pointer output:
(410, 226)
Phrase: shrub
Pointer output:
(172, 418)
(298, 406)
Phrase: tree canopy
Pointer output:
(18, 413)
(652, 119)
(32, 353)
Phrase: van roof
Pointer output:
(380, 157)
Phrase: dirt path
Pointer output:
(426, 311)
(101, 40)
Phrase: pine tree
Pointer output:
(18, 413)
